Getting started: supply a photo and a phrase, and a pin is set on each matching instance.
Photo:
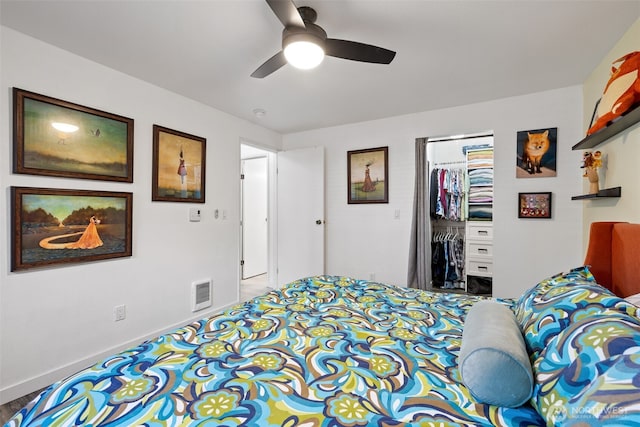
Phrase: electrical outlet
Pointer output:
(119, 312)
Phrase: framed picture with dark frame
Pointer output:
(537, 153)
(59, 138)
(368, 175)
(179, 166)
(57, 226)
(534, 205)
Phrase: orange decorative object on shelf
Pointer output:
(622, 92)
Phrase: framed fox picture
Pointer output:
(536, 153)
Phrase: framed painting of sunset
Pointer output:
(59, 138)
(58, 226)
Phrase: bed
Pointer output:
(337, 351)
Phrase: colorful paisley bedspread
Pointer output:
(323, 351)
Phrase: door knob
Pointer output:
(319, 221)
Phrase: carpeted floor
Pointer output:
(8, 409)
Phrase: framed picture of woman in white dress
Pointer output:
(57, 226)
(178, 166)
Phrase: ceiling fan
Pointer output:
(303, 37)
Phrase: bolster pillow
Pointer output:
(493, 362)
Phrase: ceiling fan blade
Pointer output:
(358, 51)
(272, 64)
(287, 13)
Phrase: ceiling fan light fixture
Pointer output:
(303, 51)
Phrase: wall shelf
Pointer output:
(607, 192)
(629, 119)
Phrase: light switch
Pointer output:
(195, 214)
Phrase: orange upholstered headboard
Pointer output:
(613, 255)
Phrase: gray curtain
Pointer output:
(420, 248)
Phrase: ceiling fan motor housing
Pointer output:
(312, 33)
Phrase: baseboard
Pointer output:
(22, 388)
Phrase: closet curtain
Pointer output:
(419, 275)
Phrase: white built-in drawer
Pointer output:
(477, 267)
(479, 231)
(479, 249)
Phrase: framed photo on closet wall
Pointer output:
(534, 205)
(368, 175)
(536, 153)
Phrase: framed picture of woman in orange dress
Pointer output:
(54, 226)
(368, 175)
(178, 166)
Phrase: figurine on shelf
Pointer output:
(591, 162)
(597, 159)
(587, 161)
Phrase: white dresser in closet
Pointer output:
(479, 257)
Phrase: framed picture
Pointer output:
(368, 175)
(178, 166)
(534, 205)
(59, 138)
(54, 226)
(536, 153)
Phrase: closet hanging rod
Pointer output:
(458, 162)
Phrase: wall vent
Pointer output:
(201, 294)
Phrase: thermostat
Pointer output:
(194, 214)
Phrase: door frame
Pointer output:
(272, 212)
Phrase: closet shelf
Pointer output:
(627, 120)
(607, 192)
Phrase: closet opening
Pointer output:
(460, 190)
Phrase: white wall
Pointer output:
(54, 321)
(623, 150)
(364, 239)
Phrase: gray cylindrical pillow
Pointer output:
(493, 359)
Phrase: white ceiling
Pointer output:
(449, 52)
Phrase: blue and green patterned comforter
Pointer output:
(323, 351)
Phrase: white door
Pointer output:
(254, 217)
(300, 214)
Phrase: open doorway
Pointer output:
(255, 236)
(295, 213)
